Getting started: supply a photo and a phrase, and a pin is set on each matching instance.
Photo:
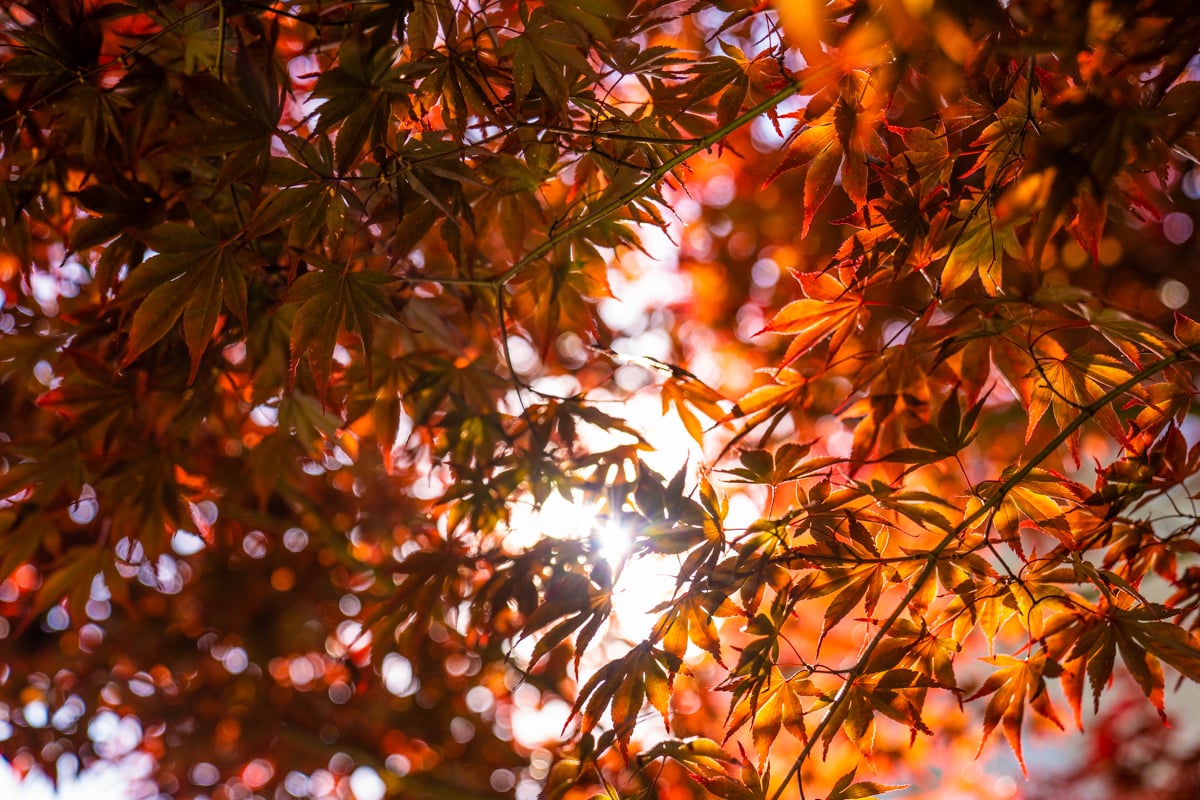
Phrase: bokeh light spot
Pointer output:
(1173, 294)
(1177, 227)
(366, 784)
(204, 774)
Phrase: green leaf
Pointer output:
(540, 53)
(191, 276)
(155, 316)
(332, 299)
(979, 247)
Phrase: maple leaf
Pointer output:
(1187, 330)
(902, 227)
(360, 96)
(311, 199)
(329, 299)
(709, 766)
(845, 788)
(456, 83)
(787, 390)
(125, 208)
(551, 298)
(913, 646)
(682, 390)
(785, 464)
(844, 137)
(623, 686)
(830, 310)
(598, 17)
(1134, 338)
(755, 562)
(893, 693)
(923, 508)
(192, 276)
(926, 157)
(540, 53)
(850, 587)
(586, 604)
(953, 429)
(691, 619)
(1035, 500)
(1066, 382)
(235, 119)
(898, 398)
(1002, 140)
(738, 79)
(727, 788)
(772, 705)
(1144, 641)
(1091, 213)
(753, 672)
(672, 522)
(1037, 601)
(425, 578)
(978, 246)
(1015, 683)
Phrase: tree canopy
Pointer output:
(327, 329)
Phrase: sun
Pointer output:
(614, 538)
(579, 517)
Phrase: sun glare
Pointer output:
(577, 518)
(614, 538)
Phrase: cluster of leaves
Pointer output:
(266, 269)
